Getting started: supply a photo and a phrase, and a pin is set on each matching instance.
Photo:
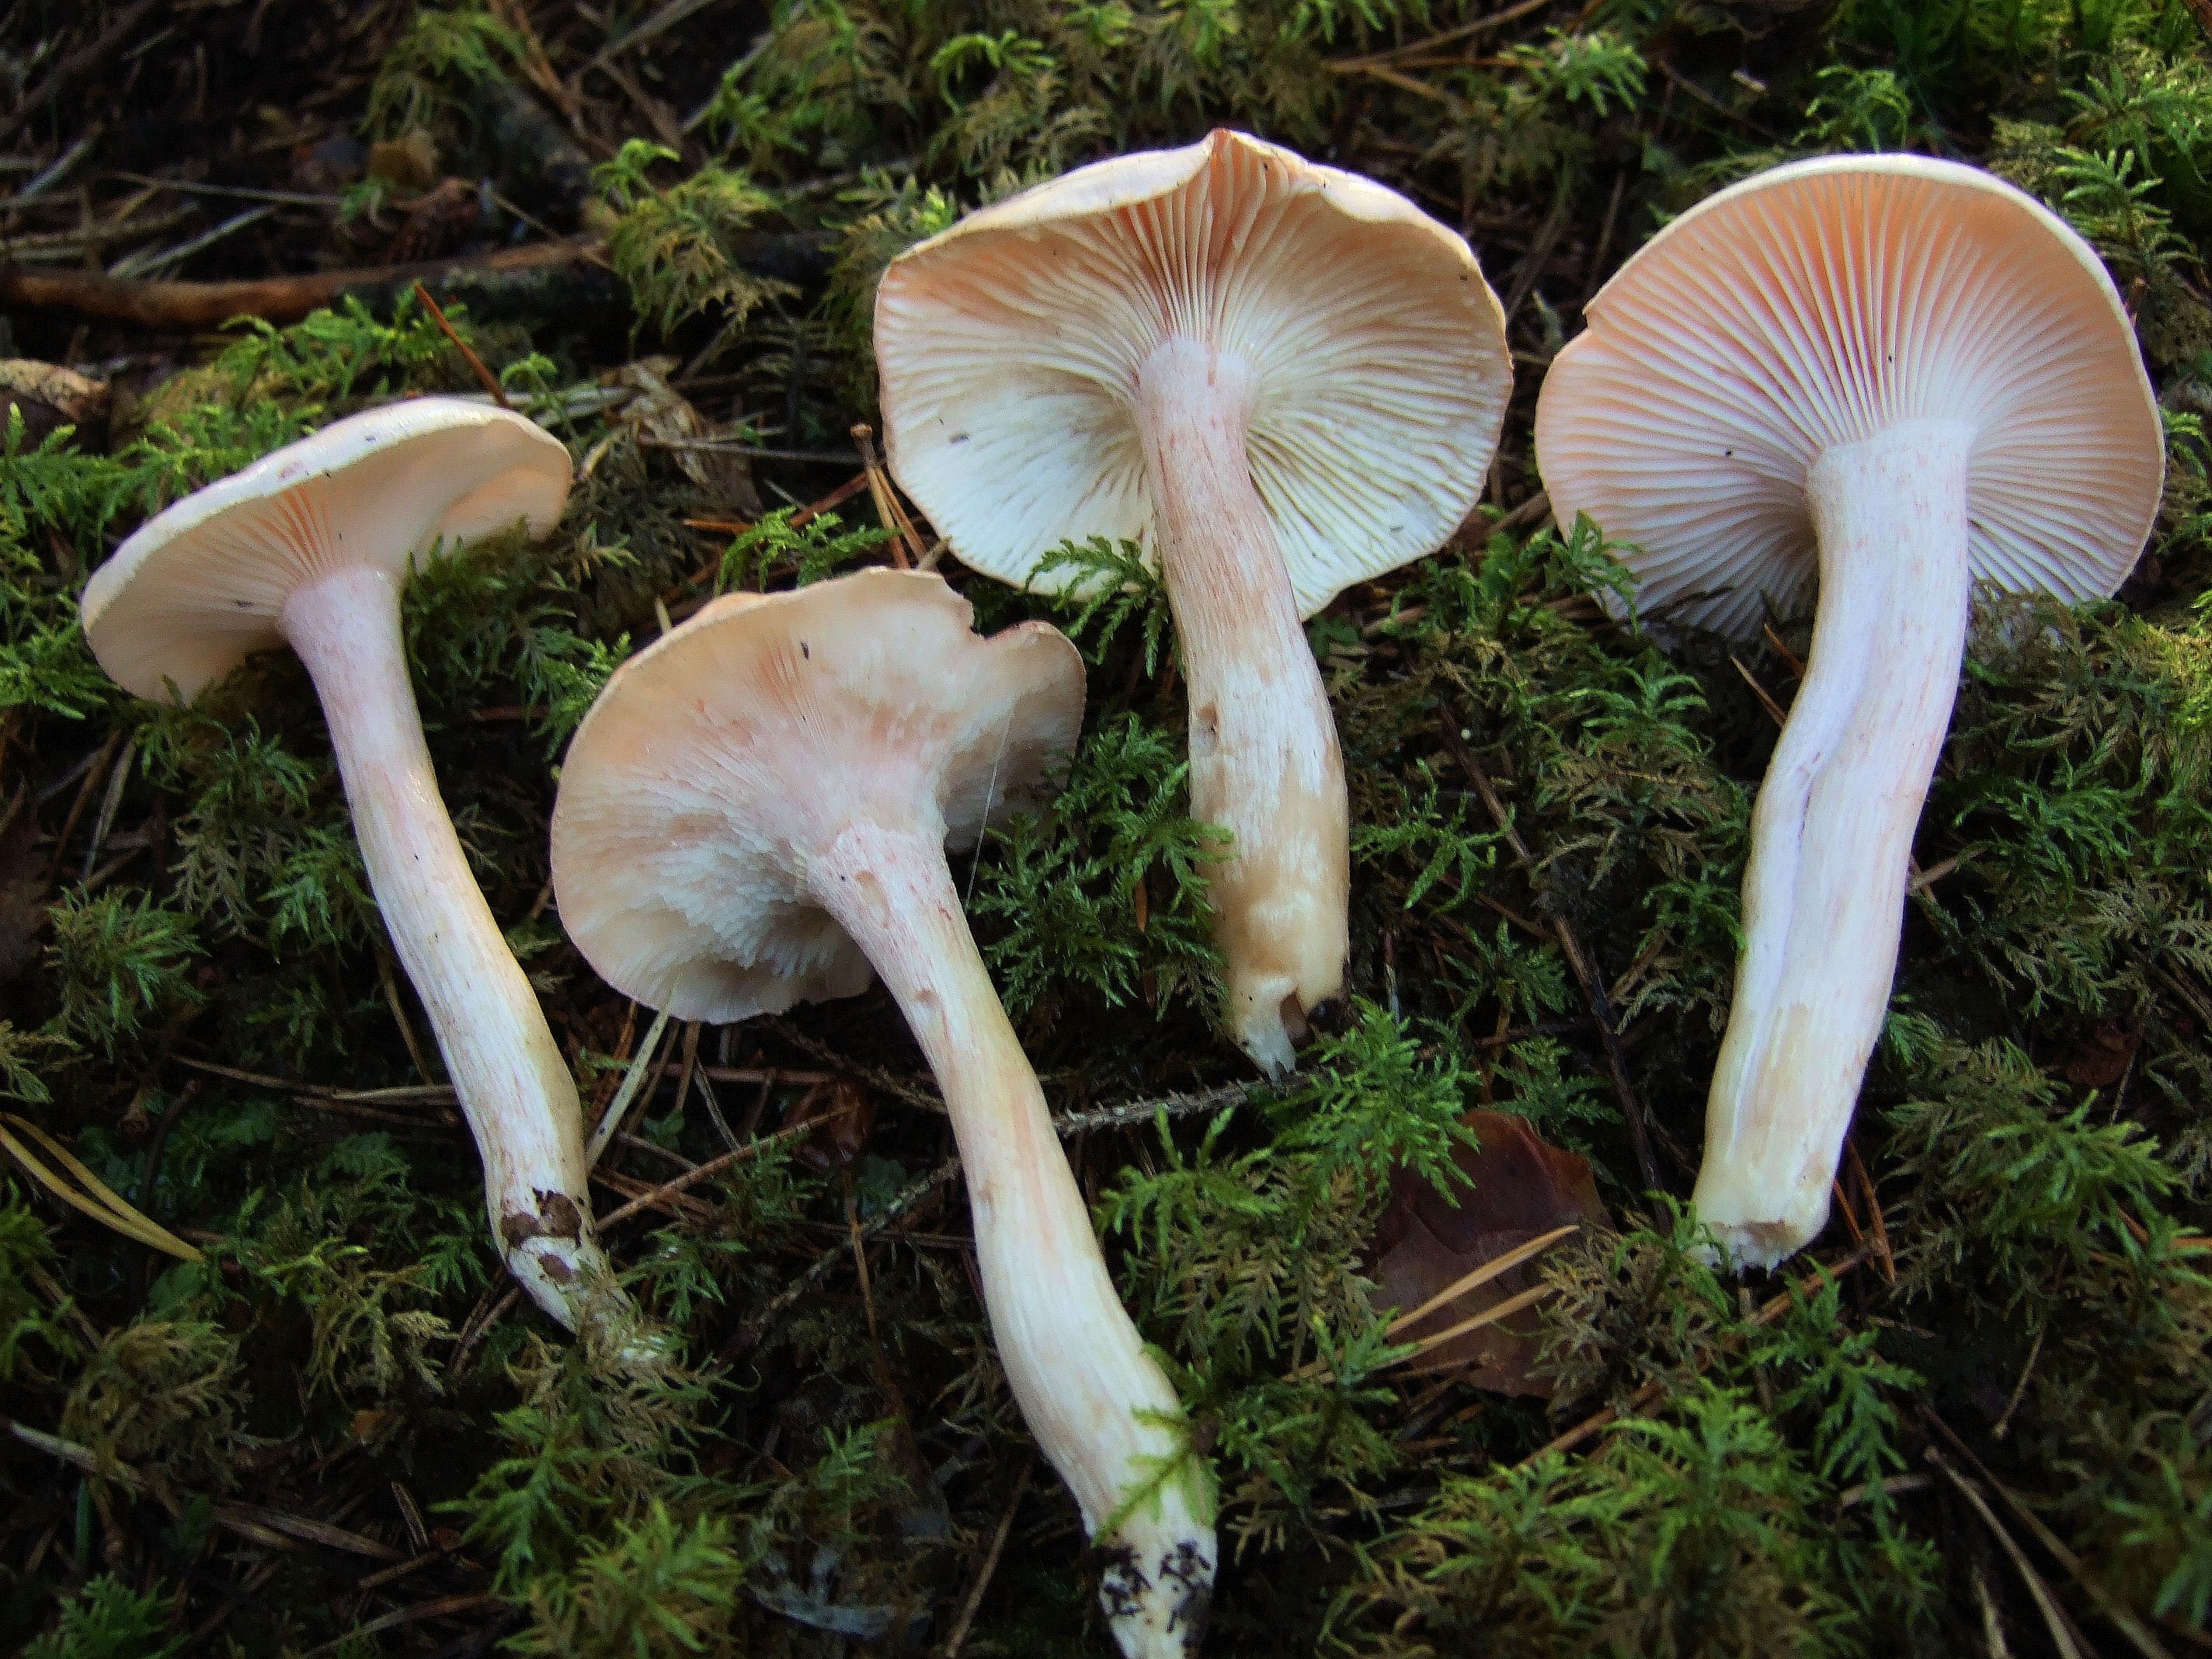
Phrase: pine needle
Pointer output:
(1482, 1275)
(602, 1132)
(90, 1195)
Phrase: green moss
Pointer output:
(816, 1464)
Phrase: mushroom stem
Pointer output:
(515, 1090)
(1263, 755)
(1832, 834)
(1102, 1412)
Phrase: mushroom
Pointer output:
(309, 547)
(756, 812)
(1898, 376)
(1279, 379)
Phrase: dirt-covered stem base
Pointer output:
(514, 1088)
(1102, 1411)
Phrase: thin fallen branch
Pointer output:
(1533, 511)
(485, 377)
(445, 1607)
(473, 1333)
(1482, 1275)
(78, 1187)
(51, 246)
(959, 1638)
(1430, 43)
(669, 15)
(241, 193)
(907, 550)
(753, 451)
(100, 298)
(74, 67)
(875, 1076)
(255, 1520)
(1491, 1315)
(603, 1132)
(1144, 1111)
(748, 1335)
(56, 171)
(428, 1094)
(693, 1176)
(146, 261)
(1877, 1224)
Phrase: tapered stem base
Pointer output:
(1264, 761)
(1832, 834)
(514, 1088)
(1103, 1413)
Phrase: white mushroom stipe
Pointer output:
(512, 1082)
(1833, 831)
(1900, 376)
(1098, 1405)
(1263, 757)
(754, 814)
(1276, 378)
(310, 547)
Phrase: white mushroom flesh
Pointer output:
(1832, 834)
(1275, 377)
(1264, 762)
(309, 546)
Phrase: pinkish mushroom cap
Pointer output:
(1009, 347)
(1813, 306)
(720, 756)
(199, 586)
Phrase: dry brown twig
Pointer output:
(185, 305)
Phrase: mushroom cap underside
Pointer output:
(1009, 347)
(718, 758)
(1813, 306)
(200, 585)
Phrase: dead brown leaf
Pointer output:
(49, 396)
(662, 414)
(847, 1116)
(1521, 1188)
(2103, 1057)
(22, 885)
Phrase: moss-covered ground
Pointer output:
(1975, 1419)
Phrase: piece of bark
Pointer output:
(489, 281)
(1519, 1186)
(50, 396)
(658, 411)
